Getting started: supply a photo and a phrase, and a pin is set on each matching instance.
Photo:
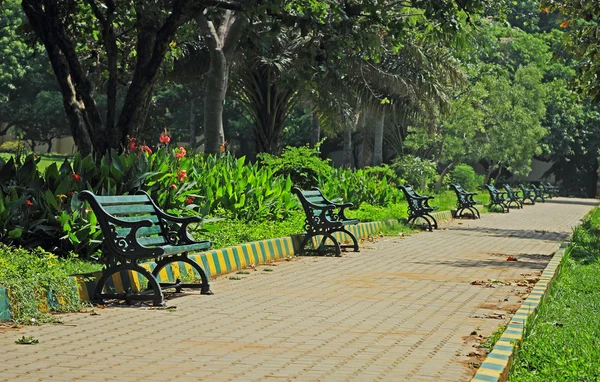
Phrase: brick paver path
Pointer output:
(402, 309)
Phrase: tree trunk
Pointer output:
(49, 150)
(353, 126)
(90, 133)
(216, 89)
(192, 125)
(445, 171)
(222, 38)
(489, 173)
(378, 142)
(315, 132)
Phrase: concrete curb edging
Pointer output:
(215, 262)
(496, 365)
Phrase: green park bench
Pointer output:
(465, 201)
(324, 218)
(418, 207)
(135, 229)
(512, 197)
(549, 190)
(528, 194)
(497, 198)
(539, 193)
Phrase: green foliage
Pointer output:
(466, 176)
(302, 164)
(561, 342)
(418, 172)
(14, 147)
(35, 277)
(368, 212)
(359, 187)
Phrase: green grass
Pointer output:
(562, 343)
(45, 159)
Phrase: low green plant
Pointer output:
(38, 283)
(27, 340)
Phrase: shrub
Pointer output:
(418, 172)
(466, 176)
(384, 171)
(14, 147)
(359, 187)
(302, 164)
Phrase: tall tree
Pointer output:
(222, 32)
(67, 32)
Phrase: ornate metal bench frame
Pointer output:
(496, 198)
(323, 219)
(142, 231)
(465, 201)
(418, 207)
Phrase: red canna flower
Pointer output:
(35, 156)
(131, 143)
(173, 186)
(146, 149)
(164, 138)
(181, 174)
(180, 152)
(189, 200)
(222, 147)
(29, 203)
(76, 177)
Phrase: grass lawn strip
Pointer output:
(562, 342)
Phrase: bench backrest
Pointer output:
(461, 194)
(494, 193)
(311, 200)
(510, 192)
(130, 208)
(413, 199)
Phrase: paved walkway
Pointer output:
(402, 309)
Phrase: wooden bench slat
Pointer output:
(130, 209)
(151, 240)
(144, 231)
(122, 199)
(152, 218)
(316, 200)
(312, 193)
(170, 249)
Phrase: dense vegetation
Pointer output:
(447, 82)
(561, 343)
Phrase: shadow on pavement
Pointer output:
(581, 202)
(518, 233)
(536, 264)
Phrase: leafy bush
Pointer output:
(359, 187)
(384, 171)
(418, 172)
(302, 164)
(14, 147)
(466, 176)
(31, 277)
